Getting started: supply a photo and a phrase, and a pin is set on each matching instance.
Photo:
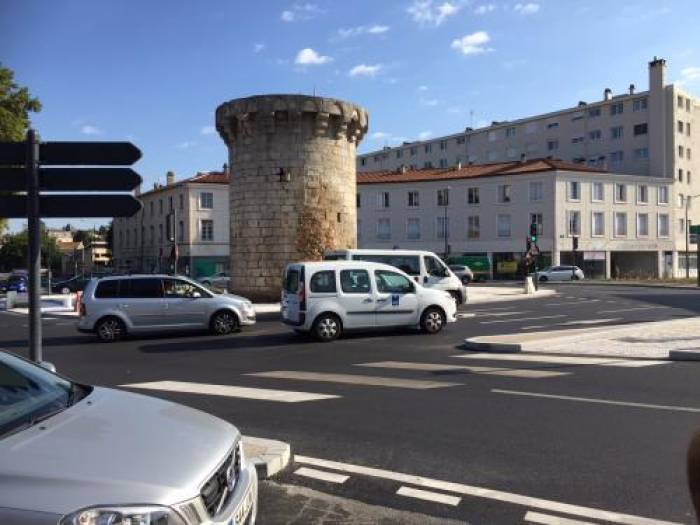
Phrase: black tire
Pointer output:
(110, 329)
(433, 320)
(223, 322)
(327, 327)
(543, 279)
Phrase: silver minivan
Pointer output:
(112, 307)
(74, 454)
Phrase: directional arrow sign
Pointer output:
(72, 179)
(68, 206)
(72, 153)
(12, 153)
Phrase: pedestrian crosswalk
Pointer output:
(563, 359)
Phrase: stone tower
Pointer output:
(292, 190)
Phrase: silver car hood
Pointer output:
(112, 447)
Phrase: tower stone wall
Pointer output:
(293, 190)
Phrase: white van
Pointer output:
(425, 267)
(329, 297)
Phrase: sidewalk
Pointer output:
(494, 294)
(677, 340)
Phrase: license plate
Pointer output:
(241, 513)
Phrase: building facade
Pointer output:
(626, 225)
(201, 228)
(652, 133)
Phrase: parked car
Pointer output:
(65, 458)
(17, 283)
(72, 285)
(560, 273)
(330, 297)
(424, 267)
(463, 272)
(113, 307)
(218, 281)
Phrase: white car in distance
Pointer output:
(560, 273)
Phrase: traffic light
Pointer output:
(533, 232)
(575, 240)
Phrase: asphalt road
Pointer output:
(461, 429)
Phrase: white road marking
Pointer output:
(264, 394)
(391, 382)
(429, 496)
(331, 477)
(599, 401)
(631, 309)
(437, 367)
(481, 492)
(494, 308)
(465, 315)
(548, 519)
(588, 322)
(523, 319)
(563, 359)
(500, 314)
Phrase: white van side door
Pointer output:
(397, 303)
(356, 298)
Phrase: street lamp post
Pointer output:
(687, 236)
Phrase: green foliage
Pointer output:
(15, 249)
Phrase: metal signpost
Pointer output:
(30, 181)
(695, 231)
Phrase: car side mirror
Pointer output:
(48, 366)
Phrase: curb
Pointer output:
(472, 343)
(268, 455)
(627, 284)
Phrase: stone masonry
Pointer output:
(292, 190)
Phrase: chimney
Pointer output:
(169, 178)
(631, 89)
(607, 94)
(225, 169)
(657, 74)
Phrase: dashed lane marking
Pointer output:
(599, 401)
(330, 477)
(438, 367)
(263, 394)
(632, 309)
(523, 319)
(482, 492)
(428, 495)
(563, 359)
(391, 382)
(548, 519)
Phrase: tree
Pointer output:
(13, 252)
(15, 105)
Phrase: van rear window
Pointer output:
(291, 281)
(323, 282)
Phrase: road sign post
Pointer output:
(34, 232)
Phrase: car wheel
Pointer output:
(543, 279)
(110, 329)
(65, 290)
(224, 322)
(327, 327)
(432, 320)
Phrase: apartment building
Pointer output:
(201, 210)
(626, 225)
(652, 133)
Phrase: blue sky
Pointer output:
(153, 72)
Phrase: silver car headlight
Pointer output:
(118, 515)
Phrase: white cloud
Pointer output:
(258, 47)
(308, 56)
(386, 138)
(426, 14)
(422, 88)
(348, 32)
(431, 102)
(379, 135)
(527, 9)
(690, 73)
(305, 11)
(186, 144)
(363, 70)
(208, 130)
(423, 135)
(87, 129)
(484, 9)
(473, 43)
(287, 16)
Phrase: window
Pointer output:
(207, 229)
(443, 197)
(443, 227)
(443, 145)
(182, 201)
(323, 282)
(640, 129)
(594, 112)
(616, 108)
(616, 158)
(428, 148)
(153, 234)
(177, 288)
(148, 288)
(642, 194)
(354, 281)
(597, 194)
(663, 195)
(598, 224)
(413, 229)
(473, 227)
(687, 128)
(577, 116)
(680, 174)
(616, 132)
(641, 153)
(681, 201)
(639, 104)
(151, 208)
(574, 223)
(662, 225)
(596, 134)
(553, 125)
(206, 200)
(536, 191)
(503, 225)
(413, 200)
(536, 218)
(399, 153)
(461, 140)
(620, 224)
(687, 177)
(358, 200)
(170, 203)
(443, 163)
(510, 132)
(552, 145)
(687, 104)
(620, 193)
(577, 140)
(427, 164)
(160, 206)
(642, 225)
(413, 150)
(681, 225)
(573, 190)
(160, 233)
(504, 193)
(687, 153)
(384, 229)
(680, 151)
(680, 101)
(680, 126)
(107, 289)
(392, 282)
(383, 201)
(363, 161)
(181, 232)
(473, 196)
(492, 136)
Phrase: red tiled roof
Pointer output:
(210, 177)
(473, 171)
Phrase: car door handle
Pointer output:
(382, 300)
(368, 300)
